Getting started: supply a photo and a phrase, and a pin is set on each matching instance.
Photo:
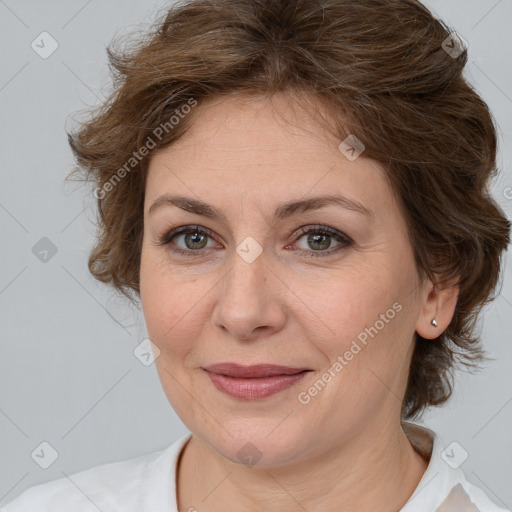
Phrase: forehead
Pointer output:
(263, 147)
(279, 124)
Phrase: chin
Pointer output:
(256, 443)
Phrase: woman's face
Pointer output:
(254, 289)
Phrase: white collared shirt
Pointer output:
(148, 484)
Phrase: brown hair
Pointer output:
(383, 66)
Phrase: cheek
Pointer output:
(367, 318)
(176, 306)
(350, 302)
(162, 300)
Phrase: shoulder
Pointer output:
(108, 487)
(444, 486)
(469, 492)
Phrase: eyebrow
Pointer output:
(284, 210)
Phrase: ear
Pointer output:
(439, 304)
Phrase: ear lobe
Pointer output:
(439, 305)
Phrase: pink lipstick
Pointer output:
(253, 382)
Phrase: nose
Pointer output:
(249, 303)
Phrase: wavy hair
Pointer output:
(385, 70)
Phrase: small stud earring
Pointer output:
(434, 322)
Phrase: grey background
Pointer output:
(68, 374)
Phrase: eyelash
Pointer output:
(344, 240)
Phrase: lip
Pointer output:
(253, 382)
(252, 372)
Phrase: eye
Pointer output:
(195, 240)
(319, 239)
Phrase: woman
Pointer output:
(298, 194)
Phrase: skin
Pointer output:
(245, 156)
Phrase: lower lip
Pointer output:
(254, 389)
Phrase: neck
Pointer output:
(377, 468)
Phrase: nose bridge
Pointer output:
(247, 263)
(245, 302)
(247, 269)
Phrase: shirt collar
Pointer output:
(160, 488)
(441, 487)
(437, 490)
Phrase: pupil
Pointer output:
(196, 237)
(312, 239)
(322, 240)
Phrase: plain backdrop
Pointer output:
(68, 374)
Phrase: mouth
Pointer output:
(253, 382)
(252, 372)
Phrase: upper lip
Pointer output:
(254, 371)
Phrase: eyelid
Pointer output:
(344, 240)
(176, 231)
